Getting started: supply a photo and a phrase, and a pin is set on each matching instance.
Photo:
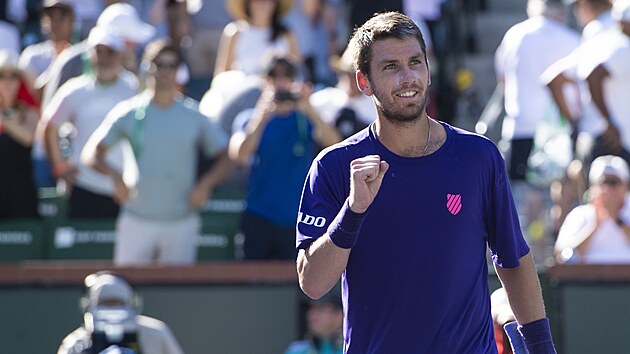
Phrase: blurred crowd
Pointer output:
(566, 132)
(138, 110)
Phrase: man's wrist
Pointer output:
(60, 168)
(344, 229)
(537, 336)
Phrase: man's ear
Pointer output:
(364, 84)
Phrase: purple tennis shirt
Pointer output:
(417, 278)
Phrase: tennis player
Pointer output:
(404, 211)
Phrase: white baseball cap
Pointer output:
(123, 19)
(107, 287)
(608, 165)
(104, 36)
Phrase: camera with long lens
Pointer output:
(112, 326)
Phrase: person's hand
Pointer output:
(366, 176)
(121, 191)
(65, 171)
(266, 105)
(199, 196)
(303, 103)
(612, 138)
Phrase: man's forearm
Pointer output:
(596, 87)
(320, 266)
(523, 289)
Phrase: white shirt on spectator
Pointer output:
(612, 51)
(608, 243)
(84, 102)
(527, 50)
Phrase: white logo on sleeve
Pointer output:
(319, 221)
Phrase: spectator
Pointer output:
(158, 221)
(18, 119)
(112, 320)
(209, 18)
(324, 327)
(315, 30)
(571, 95)
(72, 62)
(84, 102)
(56, 21)
(277, 140)
(527, 49)
(256, 34)
(171, 20)
(123, 19)
(599, 231)
(344, 106)
(608, 77)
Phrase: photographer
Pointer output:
(277, 140)
(112, 322)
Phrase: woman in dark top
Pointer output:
(18, 118)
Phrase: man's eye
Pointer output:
(390, 66)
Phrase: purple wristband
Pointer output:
(537, 337)
(344, 229)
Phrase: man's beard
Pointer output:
(401, 115)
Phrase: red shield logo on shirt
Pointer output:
(454, 203)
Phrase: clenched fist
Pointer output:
(366, 176)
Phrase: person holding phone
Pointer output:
(276, 140)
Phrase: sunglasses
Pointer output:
(166, 65)
(610, 181)
(274, 74)
(9, 75)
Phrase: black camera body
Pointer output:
(100, 343)
(108, 327)
(286, 96)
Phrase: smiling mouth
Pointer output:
(407, 94)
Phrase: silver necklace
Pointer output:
(428, 136)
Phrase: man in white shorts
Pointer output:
(159, 222)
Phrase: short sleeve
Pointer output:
(618, 62)
(505, 239)
(61, 106)
(323, 196)
(115, 125)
